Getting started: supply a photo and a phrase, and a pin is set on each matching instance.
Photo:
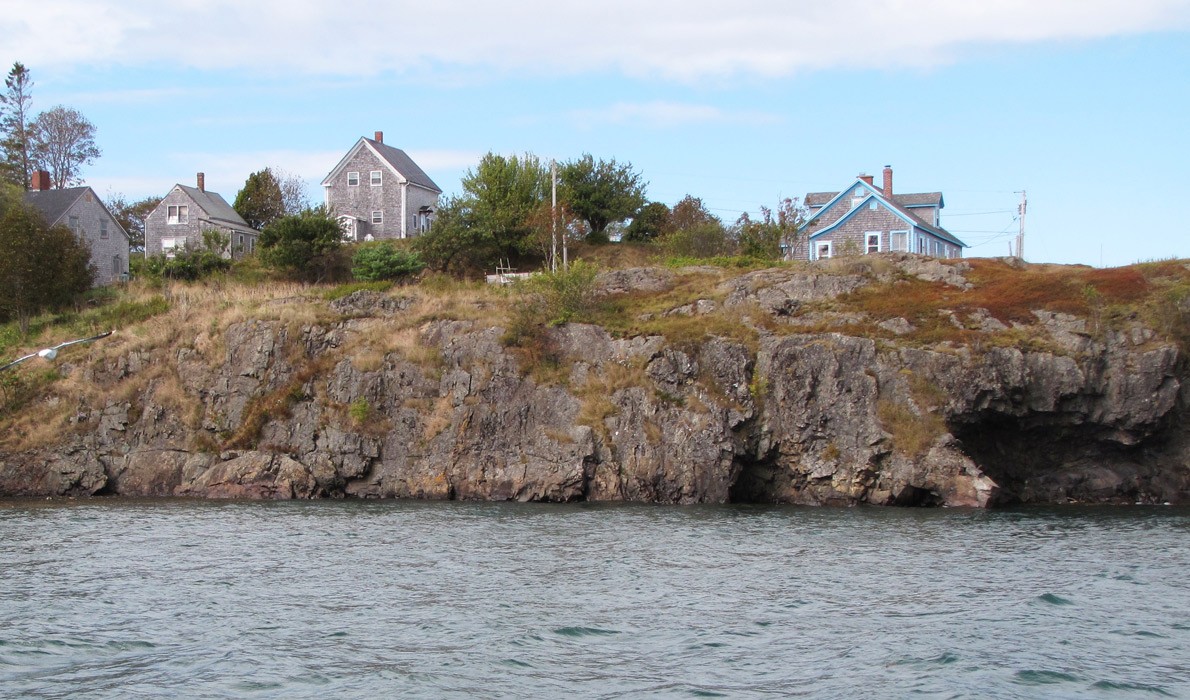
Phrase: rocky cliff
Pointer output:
(785, 394)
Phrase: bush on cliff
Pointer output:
(382, 260)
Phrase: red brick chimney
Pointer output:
(41, 181)
(202, 182)
(379, 137)
(888, 182)
(866, 178)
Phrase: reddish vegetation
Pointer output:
(1011, 294)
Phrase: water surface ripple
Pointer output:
(146, 599)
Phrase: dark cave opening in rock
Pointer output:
(1050, 463)
(757, 481)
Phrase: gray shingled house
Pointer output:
(865, 219)
(81, 210)
(182, 216)
(377, 191)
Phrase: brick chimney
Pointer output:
(41, 181)
(202, 182)
(379, 137)
(888, 182)
(866, 178)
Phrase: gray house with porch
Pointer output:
(377, 192)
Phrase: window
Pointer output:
(252, 244)
(378, 217)
(103, 228)
(872, 242)
(179, 214)
(74, 224)
(899, 240)
(169, 244)
(353, 179)
(859, 191)
(872, 205)
(856, 201)
(921, 245)
(117, 266)
(376, 181)
(822, 250)
(241, 241)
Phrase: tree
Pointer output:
(491, 220)
(62, 141)
(650, 222)
(690, 212)
(772, 237)
(260, 202)
(694, 231)
(601, 193)
(14, 125)
(303, 245)
(132, 217)
(294, 199)
(41, 267)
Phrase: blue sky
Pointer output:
(1084, 104)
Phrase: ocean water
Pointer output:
(329, 599)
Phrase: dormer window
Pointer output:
(376, 181)
(353, 179)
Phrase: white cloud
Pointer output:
(688, 40)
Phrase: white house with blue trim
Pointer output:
(863, 219)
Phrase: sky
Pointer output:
(1083, 104)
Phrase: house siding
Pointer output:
(851, 236)
(363, 199)
(104, 251)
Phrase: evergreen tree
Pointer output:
(14, 126)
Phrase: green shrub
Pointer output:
(383, 260)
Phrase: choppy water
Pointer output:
(118, 599)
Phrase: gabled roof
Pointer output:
(899, 205)
(215, 207)
(396, 159)
(53, 204)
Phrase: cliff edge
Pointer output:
(894, 380)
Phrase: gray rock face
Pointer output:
(802, 418)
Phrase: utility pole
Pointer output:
(554, 215)
(1020, 236)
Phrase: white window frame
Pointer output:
(353, 179)
(377, 216)
(103, 229)
(377, 178)
(168, 245)
(868, 241)
(818, 248)
(892, 237)
(73, 224)
(177, 214)
(117, 265)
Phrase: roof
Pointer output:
(918, 199)
(215, 207)
(395, 158)
(53, 204)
